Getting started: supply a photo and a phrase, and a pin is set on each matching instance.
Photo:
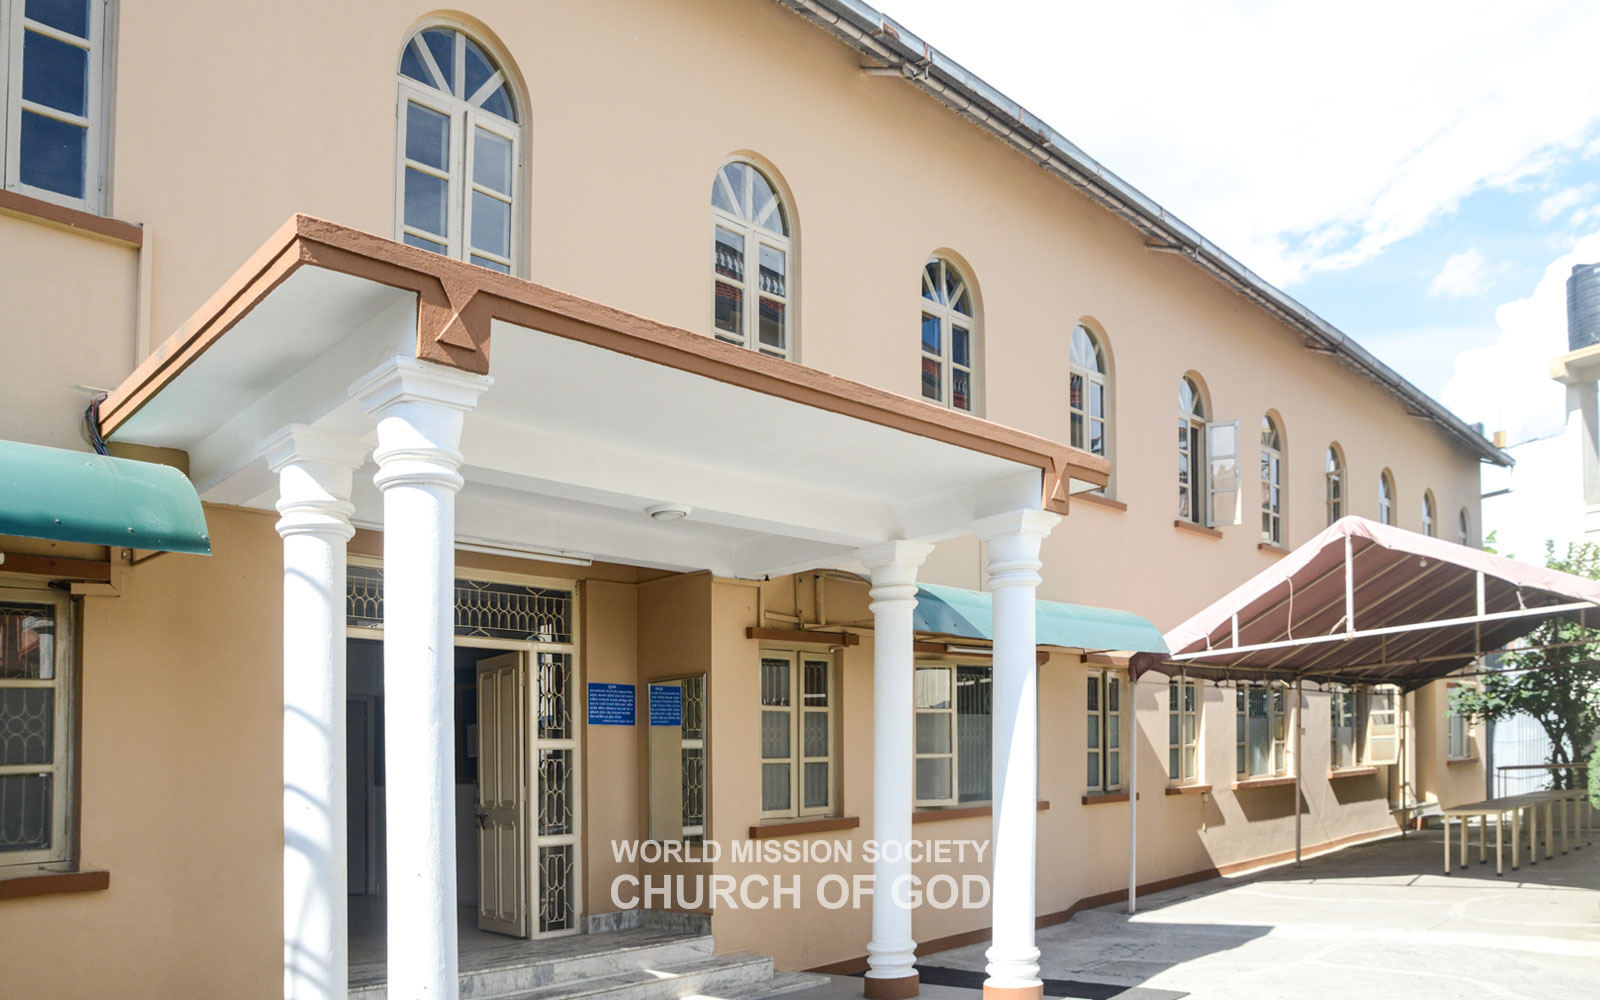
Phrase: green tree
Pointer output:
(1559, 686)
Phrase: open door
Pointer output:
(502, 795)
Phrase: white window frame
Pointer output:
(1382, 724)
(1183, 730)
(63, 790)
(1333, 479)
(798, 710)
(1278, 716)
(1105, 738)
(1429, 514)
(466, 117)
(1459, 728)
(755, 234)
(943, 308)
(953, 712)
(1345, 715)
(1272, 489)
(1385, 498)
(14, 24)
(1081, 419)
(1192, 454)
(1464, 527)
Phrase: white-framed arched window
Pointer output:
(1191, 452)
(751, 261)
(460, 151)
(1271, 481)
(1386, 497)
(1333, 476)
(1089, 398)
(1429, 520)
(1464, 527)
(949, 335)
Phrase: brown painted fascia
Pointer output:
(457, 303)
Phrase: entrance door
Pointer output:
(502, 795)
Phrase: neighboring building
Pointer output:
(766, 314)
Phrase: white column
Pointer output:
(891, 954)
(314, 474)
(1013, 542)
(420, 409)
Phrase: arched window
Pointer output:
(947, 335)
(1271, 481)
(749, 222)
(1386, 497)
(1191, 452)
(54, 57)
(1464, 527)
(1089, 400)
(1428, 519)
(460, 151)
(1334, 476)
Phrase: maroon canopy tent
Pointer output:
(1368, 603)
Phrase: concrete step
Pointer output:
(743, 975)
(521, 966)
(779, 984)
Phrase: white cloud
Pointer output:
(1297, 136)
(1464, 274)
(1562, 200)
(1507, 384)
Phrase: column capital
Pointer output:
(421, 408)
(1030, 522)
(1012, 542)
(315, 471)
(407, 380)
(893, 566)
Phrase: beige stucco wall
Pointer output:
(1439, 778)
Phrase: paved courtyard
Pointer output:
(1378, 920)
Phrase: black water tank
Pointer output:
(1583, 306)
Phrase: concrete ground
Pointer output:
(1379, 919)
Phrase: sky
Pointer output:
(1423, 175)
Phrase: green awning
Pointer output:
(969, 614)
(72, 496)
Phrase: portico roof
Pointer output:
(595, 416)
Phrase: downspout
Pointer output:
(1133, 802)
(1299, 764)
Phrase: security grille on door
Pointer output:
(556, 835)
(488, 610)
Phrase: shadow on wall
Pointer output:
(1362, 789)
(1262, 804)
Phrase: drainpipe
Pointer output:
(1299, 764)
(1133, 801)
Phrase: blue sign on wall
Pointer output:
(666, 705)
(611, 704)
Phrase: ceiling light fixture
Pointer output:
(668, 512)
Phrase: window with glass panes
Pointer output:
(1428, 513)
(1271, 482)
(1348, 733)
(460, 151)
(1460, 729)
(948, 338)
(954, 732)
(797, 734)
(52, 61)
(750, 257)
(1192, 480)
(1087, 400)
(1183, 731)
(1104, 750)
(35, 695)
(1262, 725)
(1464, 527)
(1386, 498)
(1334, 478)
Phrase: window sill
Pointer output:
(1188, 789)
(44, 883)
(38, 210)
(1271, 549)
(1196, 529)
(1351, 772)
(1103, 798)
(798, 827)
(1454, 761)
(1096, 500)
(1275, 782)
(926, 815)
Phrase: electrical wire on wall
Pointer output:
(91, 425)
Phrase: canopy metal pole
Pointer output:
(1299, 769)
(1133, 806)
